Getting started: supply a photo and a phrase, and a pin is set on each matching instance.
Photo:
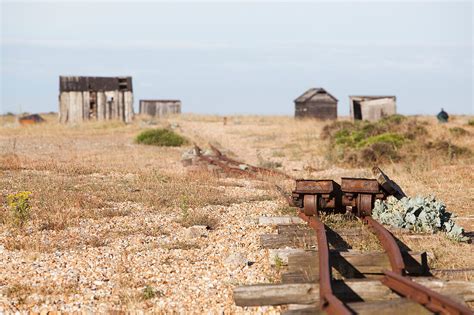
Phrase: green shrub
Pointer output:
(362, 143)
(393, 139)
(19, 205)
(161, 137)
(150, 293)
(470, 122)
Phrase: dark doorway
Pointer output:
(356, 110)
(93, 105)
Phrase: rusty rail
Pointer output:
(433, 301)
(222, 165)
(398, 282)
(389, 245)
(256, 169)
(327, 300)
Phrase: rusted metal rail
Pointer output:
(327, 300)
(234, 167)
(433, 301)
(358, 196)
(389, 245)
(256, 169)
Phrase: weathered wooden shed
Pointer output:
(95, 98)
(372, 108)
(160, 107)
(316, 103)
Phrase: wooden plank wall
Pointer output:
(111, 105)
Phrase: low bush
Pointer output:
(470, 122)
(161, 137)
(149, 293)
(363, 143)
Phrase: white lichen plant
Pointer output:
(420, 214)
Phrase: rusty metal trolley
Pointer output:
(357, 196)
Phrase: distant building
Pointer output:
(95, 98)
(316, 103)
(372, 108)
(160, 107)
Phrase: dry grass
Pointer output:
(93, 187)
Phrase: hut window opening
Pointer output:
(123, 84)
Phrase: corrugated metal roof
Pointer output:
(371, 97)
(161, 101)
(312, 92)
(78, 83)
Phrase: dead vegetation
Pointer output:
(95, 191)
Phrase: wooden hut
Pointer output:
(372, 108)
(160, 108)
(95, 98)
(316, 103)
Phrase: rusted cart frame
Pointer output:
(433, 301)
(327, 300)
(314, 195)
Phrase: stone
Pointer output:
(243, 167)
(236, 260)
(196, 231)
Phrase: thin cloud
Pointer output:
(116, 44)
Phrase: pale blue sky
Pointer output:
(241, 57)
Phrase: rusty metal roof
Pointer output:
(371, 97)
(78, 83)
(312, 92)
(161, 101)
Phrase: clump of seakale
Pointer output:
(420, 214)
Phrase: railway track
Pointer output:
(398, 286)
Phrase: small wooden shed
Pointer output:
(160, 107)
(372, 108)
(95, 98)
(316, 103)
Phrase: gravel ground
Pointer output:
(190, 269)
(141, 257)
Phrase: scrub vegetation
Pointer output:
(363, 143)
